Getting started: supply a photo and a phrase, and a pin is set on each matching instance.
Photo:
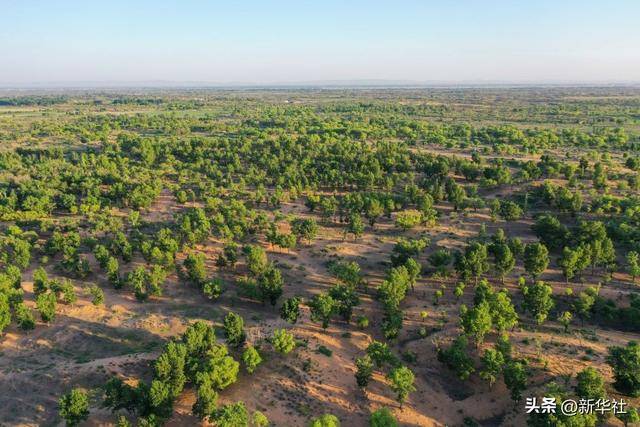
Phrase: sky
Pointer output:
(287, 42)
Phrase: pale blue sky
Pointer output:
(301, 41)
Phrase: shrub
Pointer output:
(97, 295)
(24, 317)
(234, 329)
(74, 407)
(326, 420)
(283, 341)
(46, 304)
(383, 417)
(362, 322)
(326, 351)
(251, 359)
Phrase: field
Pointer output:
(379, 248)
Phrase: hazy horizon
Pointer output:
(115, 44)
(334, 84)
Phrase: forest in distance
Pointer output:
(378, 257)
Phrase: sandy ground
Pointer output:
(87, 344)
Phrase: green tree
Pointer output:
(322, 306)
(440, 260)
(231, 415)
(46, 304)
(259, 419)
(283, 341)
(312, 202)
(380, 354)
(538, 300)
(74, 407)
(510, 211)
(393, 289)
(633, 265)
(585, 302)
(290, 310)
(630, 417)
(206, 399)
(455, 357)
(138, 280)
(14, 275)
(229, 256)
(536, 259)
(326, 420)
(355, 226)
(257, 262)
(347, 272)
(625, 362)
(160, 399)
(195, 268)
(21, 255)
(516, 246)
(119, 395)
(151, 420)
(221, 368)
(457, 196)
(113, 275)
(40, 281)
(492, 364)
(550, 231)
(494, 208)
(199, 338)
(213, 288)
(364, 370)
(473, 263)
(270, 285)
(305, 228)
(503, 345)
(515, 378)
(155, 280)
(345, 298)
(170, 367)
(234, 329)
(407, 248)
(287, 241)
(565, 320)
(24, 317)
(251, 359)
(584, 258)
(123, 422)
(476, 322)
(5, 312)
(602, 253)
(408, 219)
(503, 313)
(504, 261)
(401, 381)
(328, 207)
(483, 292)
(373, 210)
(102, 255)
(413, 268)
(64, 288)
(559, 418)
(383, 417)
(392, 323)
(193, 225)
(97, 295)
(568, 262)
(590, 384)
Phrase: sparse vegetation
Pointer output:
(336, 240)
